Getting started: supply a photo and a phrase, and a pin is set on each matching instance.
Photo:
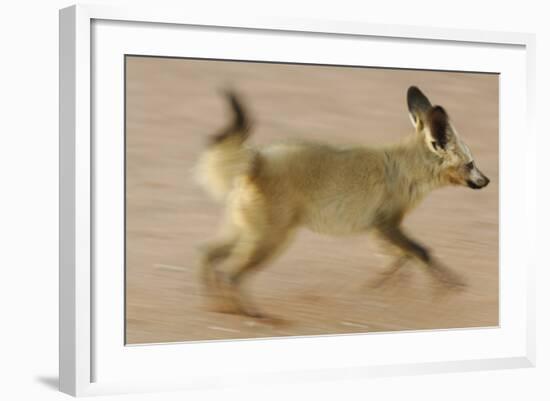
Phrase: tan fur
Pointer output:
(272, 191)
(220, 165)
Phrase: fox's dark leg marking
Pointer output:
(397, 237)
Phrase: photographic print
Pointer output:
(270, 200)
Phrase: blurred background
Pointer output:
(319, 285)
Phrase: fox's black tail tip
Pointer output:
(240, 124)
(239, 113)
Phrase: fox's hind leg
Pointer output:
(261, 226)
(212, 254)
(247, 256)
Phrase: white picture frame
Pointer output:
(82, 344)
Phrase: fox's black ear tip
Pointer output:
(413, 95)
(413, 91)
(416, 100)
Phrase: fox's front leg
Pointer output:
(412, 249)
(390, 271)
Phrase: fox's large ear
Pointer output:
(438, 123)
(419, 105)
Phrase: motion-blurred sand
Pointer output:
(318, 286)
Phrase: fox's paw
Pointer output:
(449, 278)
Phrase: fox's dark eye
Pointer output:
(470, 165)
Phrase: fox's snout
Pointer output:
(477, 179)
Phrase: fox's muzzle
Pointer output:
(473, 185)
(478, 180)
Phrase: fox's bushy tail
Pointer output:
(226, 156)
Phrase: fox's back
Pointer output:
(334, 190)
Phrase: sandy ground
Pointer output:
(319, 285)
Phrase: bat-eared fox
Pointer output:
(269, 192)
